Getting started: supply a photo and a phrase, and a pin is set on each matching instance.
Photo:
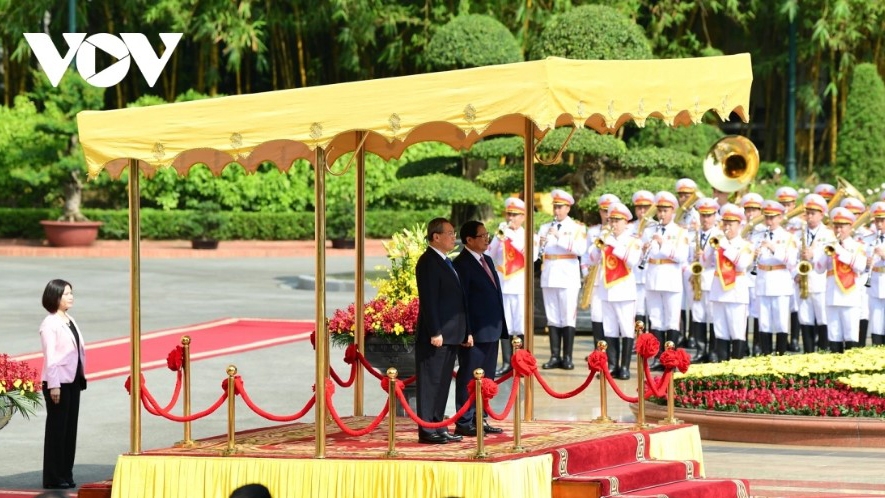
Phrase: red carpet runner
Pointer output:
(110, 358)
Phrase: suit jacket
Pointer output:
(442, 306)
(485, 302)
(60, 351)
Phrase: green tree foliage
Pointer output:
(696, 139)
(425, 192)
(592, 32)
(472, 40)
(625, 189)
(861, 154)
(660, 161)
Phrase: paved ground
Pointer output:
(259, 280)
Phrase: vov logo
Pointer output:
(134, 44)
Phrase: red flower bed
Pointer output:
(834, 401)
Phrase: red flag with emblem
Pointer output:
(844, 275)
(514, 261)
(615, 268)
(725, 269)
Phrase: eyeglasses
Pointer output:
(483, 236)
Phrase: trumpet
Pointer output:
(714, 242)
(830, 250)
(501, 227)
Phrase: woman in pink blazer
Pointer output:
(63, 379)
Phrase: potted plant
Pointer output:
(18, 389)
(203, 225)
(52, 159)
(340, 222)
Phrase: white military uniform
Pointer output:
(843, 305)
(561, 270)
(865, 236)
(663, 277)
(812, 311)
(638, 273)
(618, 298)
(701, 312)
(593, 233)
(876, 291)
(774, 284)
(730, 306)
(512, 284)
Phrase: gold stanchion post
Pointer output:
(187, 442)
(603, 417)
(231, 411)
(517, 421)
(671, 395)
(391, 413)
(481, 453)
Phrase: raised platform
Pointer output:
(282, 458)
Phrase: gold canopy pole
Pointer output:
(322, 333)
(360, 274)
(529, 190)
(134, 309)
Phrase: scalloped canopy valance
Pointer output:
(456, 107)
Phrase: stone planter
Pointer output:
(383, 355)
(204, 244)
(5, 411)
(851, 432)
(343, 243)
(71, 233)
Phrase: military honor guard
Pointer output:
(642, 202)
(812, 301)
(875, 280)
(666, 249)
(729, 256)
(605, 201)
(507, 249)
(701, 277)
(686, 190)
(616, 253)
(775, 254)
(844, 262)
(826, 191)
(751, 203)
(793, 224)
(861, 233)
(561, 242)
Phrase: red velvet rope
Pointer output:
(504, 378)
(369, 367)
(512, 399)
(658, 389)
(147, 398)
(175, 393)
(616, 388)
(569, 394)
(241, 391)
(175, 359)
(430, 425)
(338, 380)
(330, 390)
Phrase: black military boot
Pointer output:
(764, 343)
(793, 347)
(878, 340)
(568, 345)
(506, 354)
(823, 338)
(626, 356)
(613, 352)
(737, 349)
(757, 346)
(808, 340)
(555, 345)
(837, 347)
(688, 338)
(864, 327)
(722, 349)
(715, 354)
(598, 333)
(655, 363)
(701, 355)
(782, 340)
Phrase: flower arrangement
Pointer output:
(851, 384)
(393, 315)
(18, 388)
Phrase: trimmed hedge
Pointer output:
(172, 225)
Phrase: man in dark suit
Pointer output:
(485, 319)
(442, 328)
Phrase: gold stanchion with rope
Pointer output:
(603, 417)
(639, 329)
(517, 420)
(231, 412)
(187, 442)
(671, 395)
(391, 413)
(481, 452)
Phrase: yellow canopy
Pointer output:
(455, 107)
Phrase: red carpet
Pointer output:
(110, 358)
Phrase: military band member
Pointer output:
(826, 191)
(593, 233)
(812, 310)
(690, 220)
(860, 233)
(844, 262)
(876, 290)
(787, 196)
(620, 252)
(775, 254)
(666, 246)
(729, 290)
(507, 249)
(685, 188)
(701, 314)
(642, 202)
(751, 203)
(561, 242)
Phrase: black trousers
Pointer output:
(482, 355)
(434, 367)
(60, 442)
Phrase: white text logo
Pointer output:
(135, 44)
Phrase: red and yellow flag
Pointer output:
(615, 268)
(725, 269)
(844, 275)
(514, 261)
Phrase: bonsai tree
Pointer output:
(340, 218)
(53, 159)
(472, 40)
(205, 222)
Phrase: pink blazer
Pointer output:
(60, 351)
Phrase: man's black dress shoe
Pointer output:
(488, 429)
(465, 430)
(62, 485)
(453, 438)
(72, 484)
(434, 438)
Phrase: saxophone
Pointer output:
(696, 270)
(590, 279)
(804, 267)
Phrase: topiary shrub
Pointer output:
(592, 32)
(472, 40)
(663, 162)
(861, 153)
(696, 139)
(625, 189)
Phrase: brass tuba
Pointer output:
(731, 163)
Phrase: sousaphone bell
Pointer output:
(731, 163)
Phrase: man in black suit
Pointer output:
(442, 328)
(485, 319)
